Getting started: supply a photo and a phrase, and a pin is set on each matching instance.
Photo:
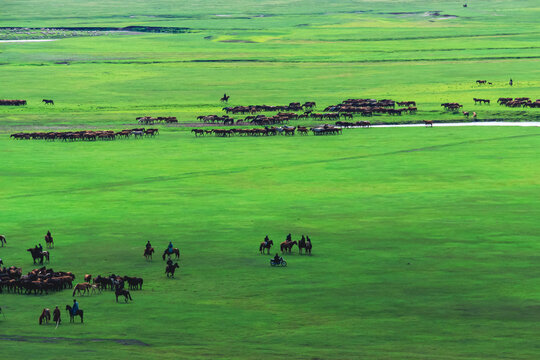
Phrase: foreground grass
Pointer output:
(424, 243)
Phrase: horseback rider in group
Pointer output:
(75, 308)
(148, 245)
(289, 238)
(170, 248)
(266, 240)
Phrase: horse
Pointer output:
(148, 253)
(45, 315)
(225, 98)
(428, 122)
(88, 278)
(266, 245)
(175, 251)
(38, 255)
(286, 246)
(170, 269)
(49, 241)
(3, 240)
(125, 293)
(85, 287)
(301, 244)
(50, 102)
(308, 246)
(72, 316)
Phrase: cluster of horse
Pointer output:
(519, 102)
(252, 109)
(13, 102)
(451, 106)
(148, 120)
(481, 101)
(40, 280)
(85, 135)
(286, 246)
(279, 118)
(368, 107)
(347, 124)
(45, 316)
(483, 82)
(266, 131)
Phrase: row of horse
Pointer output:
(252, 109)
(347, 105)
(519, 102)
(12, 102)
(85, 135)
(451, 106)
(270, 131)
(147, 120)
(113, 282)
(40, 280)
(279, 118)
(286, 246)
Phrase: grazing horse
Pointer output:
(49, 241)
(36, 254)
(122, 292)
(170, 269)
(85, 287)
(72, 315)
(225, 98)
(428, 122)
(2, 240)
(50, 102)
(266, 245)
(286, 246)
(175, 251)
(45, 315)
(148, 253)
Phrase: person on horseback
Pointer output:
(148, 245)
(266, 240)
(40, 248)
(75, 309)
(170, 248)
(49, 234)
(289, 238)
(169, 262)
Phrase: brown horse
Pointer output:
(49, 241)
(38, 255)
(175, 251)
(3, 240)
(122, 292)
(225, 98)
(266, 245)
(72, 315)
(84, 287)
(170, 269)
(148, 253)
(428, 122)
(45, 315)
(286, 246)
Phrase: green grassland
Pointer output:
(425, 239)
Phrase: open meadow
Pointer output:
(425, 239)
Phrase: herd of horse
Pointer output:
(519, 102)
(286, 246)
(38, 281)
(253, 109)
(12, 102)
(148, 120)
(270, 131)
(86, 135)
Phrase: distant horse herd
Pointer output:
(86, 135)
(148, 120)
(38, 281)
(12, 102)
(270, 131)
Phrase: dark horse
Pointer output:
(175, 251)
(170, 269)
(48, 102)
(2, 240)
(49, 241)
(36, 254)
(125, 293)
(225, 98)
(148, 253)
(286, 246)
(72, 316)
(304, 244)
(45, 315)
(266, 245)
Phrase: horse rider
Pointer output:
(40, 247)
(308, 239)
(148, 245)
(49, 236)
(169, 262)
(75, 308)
(266, 240)
(511, 82)
(170, 248)
(277, 259)
(56, 315)
(289, 238)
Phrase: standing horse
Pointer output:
(286, 246)
(36, 254)
(45, 315)
(301, 244)
(148, 253)
(175, 251)
(3, 240)
(122, 292)
(266, 245)
(85, 287)
(49, 241)
(170, 269)
(225, 98)
(50, 102)
(308, 246)
(72, 315)
(428, 122)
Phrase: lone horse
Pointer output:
(225, 98)
(286, 246)
(72, 315)
(45, 315)
(175, 251)
(266, 245)
(122, 292)
(50, 102)
(3, 240)
(170, 269)
(36, 254)
(148, 253)
(428, 122)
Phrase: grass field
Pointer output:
(425, 239)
